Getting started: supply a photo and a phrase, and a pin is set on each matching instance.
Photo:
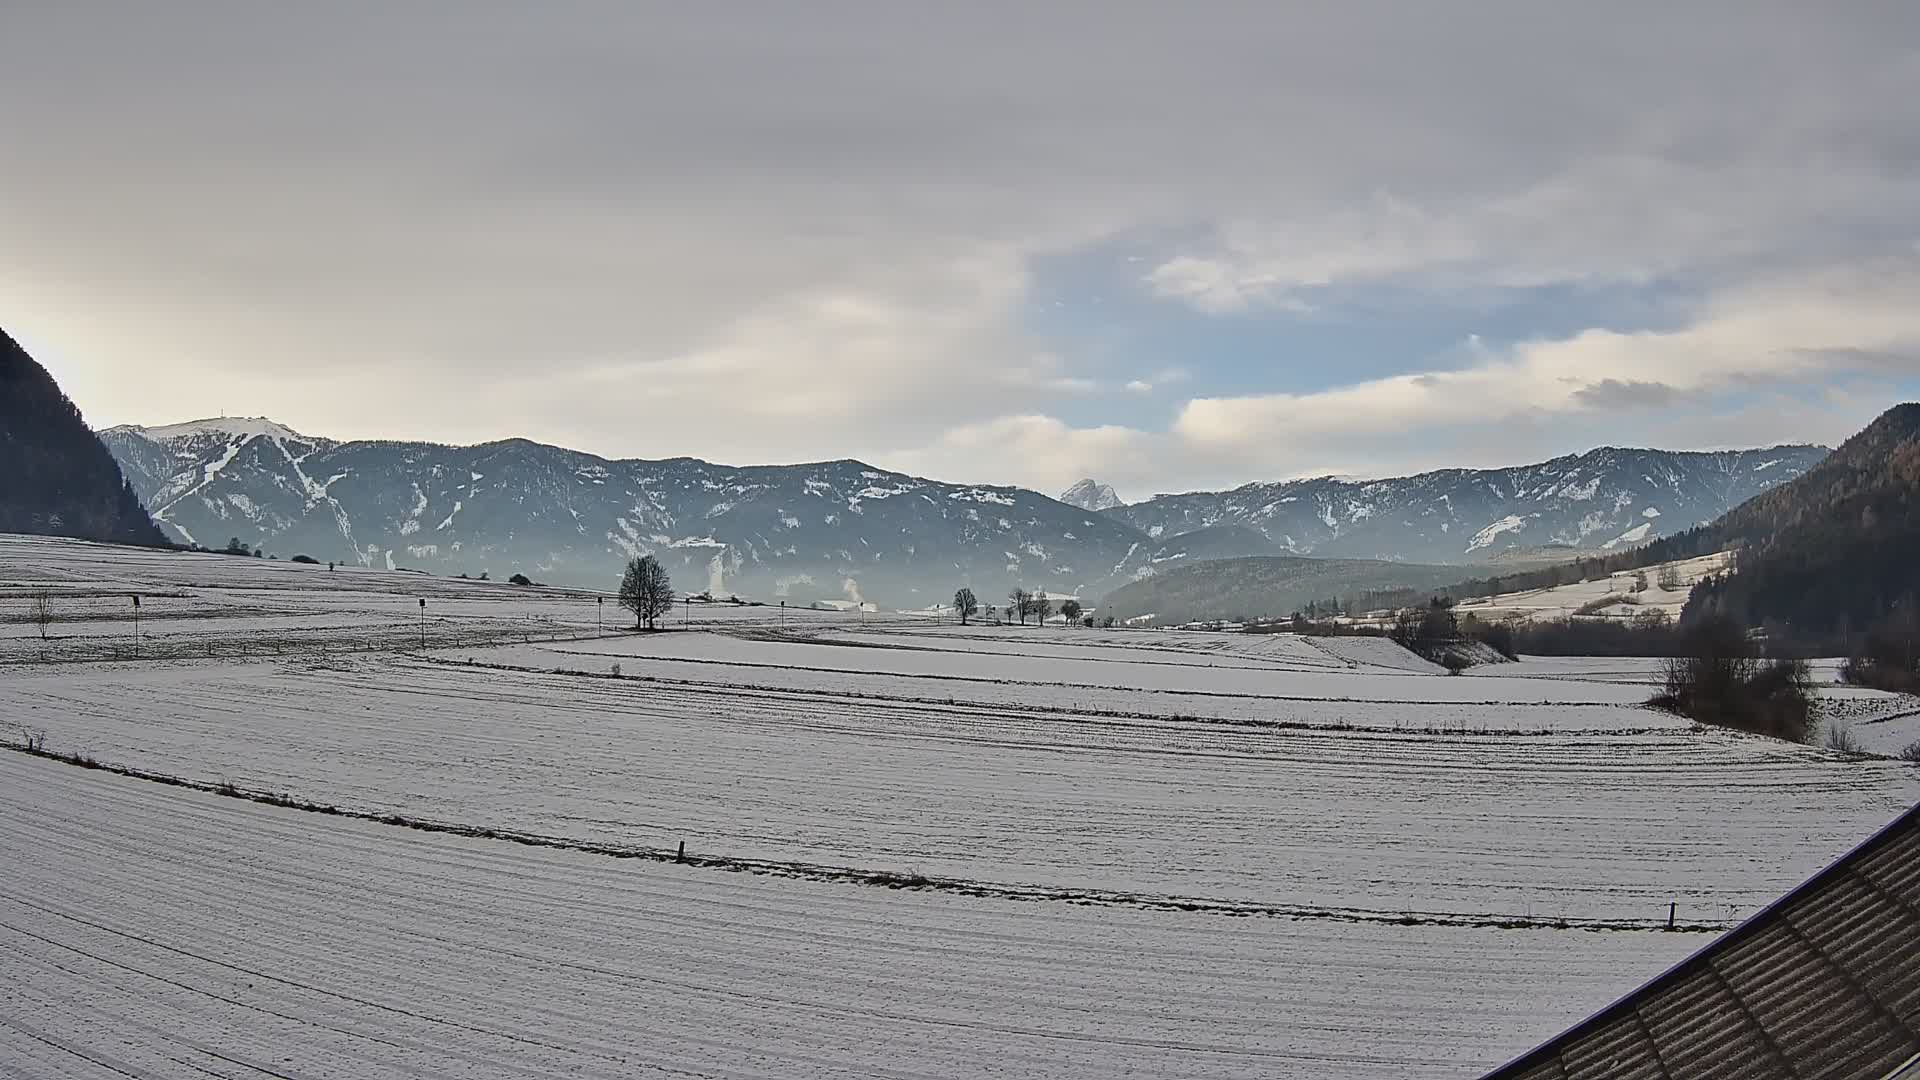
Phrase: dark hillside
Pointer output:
(56, 478)
(1835, 550)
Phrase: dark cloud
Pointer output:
(1609, 394)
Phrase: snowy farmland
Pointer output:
(1626, 594)
(912, 849)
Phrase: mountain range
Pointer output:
(845, 530)
(1603, 500)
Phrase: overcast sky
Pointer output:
(1170, 246)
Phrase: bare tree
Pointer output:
(1020, 602)
(1669, 579)
(43, 611)
(1071, 609)
(966, 604)
(646, 591)
(1042, 607)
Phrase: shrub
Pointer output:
(305, 559)
(1455, 662)
(520, 579)
(1911, 752)
(1888, 658)
(1839, 736)
(1716, 678)
(1497, 636)
(1426, 630)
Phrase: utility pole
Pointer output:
(423, 623)
(599, 614)
(136, 625)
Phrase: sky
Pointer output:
(1169, 246)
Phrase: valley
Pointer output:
(277, 831)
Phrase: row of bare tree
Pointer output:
(1021, 604)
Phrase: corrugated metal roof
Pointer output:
(1823, 983)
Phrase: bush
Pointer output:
(1888, 658)
(519, 579)
(1840, 737)
(1497, 636)
(1455, 662)
(1911, 752)
(1427, 630)
(305, 559)
(1717, 678)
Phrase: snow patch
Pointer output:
(1485, 537)
(1631, 536)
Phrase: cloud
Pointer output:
(1047, 453)
(1626, 394)
(1750, 369)
(1784, 330)
(815, 233)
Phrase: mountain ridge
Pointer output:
(1602, 499)
(801, 531)
(1089, 494)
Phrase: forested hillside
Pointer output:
(59, 479)
(1833, 551)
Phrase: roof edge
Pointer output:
(1747, 928)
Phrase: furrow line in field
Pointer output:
(1229, 694)
(889, 878)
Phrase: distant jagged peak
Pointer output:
(1090, 494)
(239, 428)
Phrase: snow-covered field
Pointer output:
(1588, 597)
(153, 932)
(1171, 853)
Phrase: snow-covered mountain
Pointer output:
(1089, 495)
(828, 530)
(842, 529)
(1605, 499)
